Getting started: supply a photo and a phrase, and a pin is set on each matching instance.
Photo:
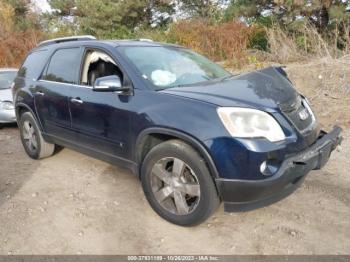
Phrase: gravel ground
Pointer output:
(73, 204)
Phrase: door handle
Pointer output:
(40, 93)
(77, 101)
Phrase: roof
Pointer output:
(136, 42)
(86, 40)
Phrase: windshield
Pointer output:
(168, 67)
(6, 79)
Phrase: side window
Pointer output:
(98, 64)
(34, 64)
(63, 66)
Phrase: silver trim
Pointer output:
(60, 83)
(77, 101)
(311, 113)
(145, 40)
(40, 93)
(67, 39)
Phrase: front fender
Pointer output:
(180, 135)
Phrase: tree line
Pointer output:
(176, 21)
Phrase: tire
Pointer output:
(33, 142)
(177, 184)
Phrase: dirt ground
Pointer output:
(73, 204)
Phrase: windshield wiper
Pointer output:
(199, 83)
(184, 85)
(225, 78)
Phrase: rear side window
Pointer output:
(63, 66)
(34, 64)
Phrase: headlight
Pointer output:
(6, 105)
(249, 123)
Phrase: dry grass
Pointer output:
(15, 43)
(282, 47)
(307, 43)
(326, 82)
(225, 41)
(14, 47)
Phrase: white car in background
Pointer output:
(7, 110)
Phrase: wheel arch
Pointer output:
(150, 137)
(21, 107)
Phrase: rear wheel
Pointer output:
(177, 183)
(33, 142)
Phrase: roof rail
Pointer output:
(145, 40)
(66, 39)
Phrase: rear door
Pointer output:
(53, 90)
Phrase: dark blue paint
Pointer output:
(109, 126)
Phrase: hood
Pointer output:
(266, 89)
(6, 95)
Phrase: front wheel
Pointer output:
(33, 142)
(178, 184)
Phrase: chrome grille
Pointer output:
(301, 116)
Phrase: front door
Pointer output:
(100, 120)
(53, 90)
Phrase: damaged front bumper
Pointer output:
(244, 195)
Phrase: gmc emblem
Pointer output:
(303, 114)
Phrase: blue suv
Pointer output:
(195, 134)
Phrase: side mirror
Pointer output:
(110, 84)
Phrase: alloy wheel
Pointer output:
(30, 136)
(175, 186)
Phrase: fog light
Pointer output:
(269, 167)
(263, 167)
